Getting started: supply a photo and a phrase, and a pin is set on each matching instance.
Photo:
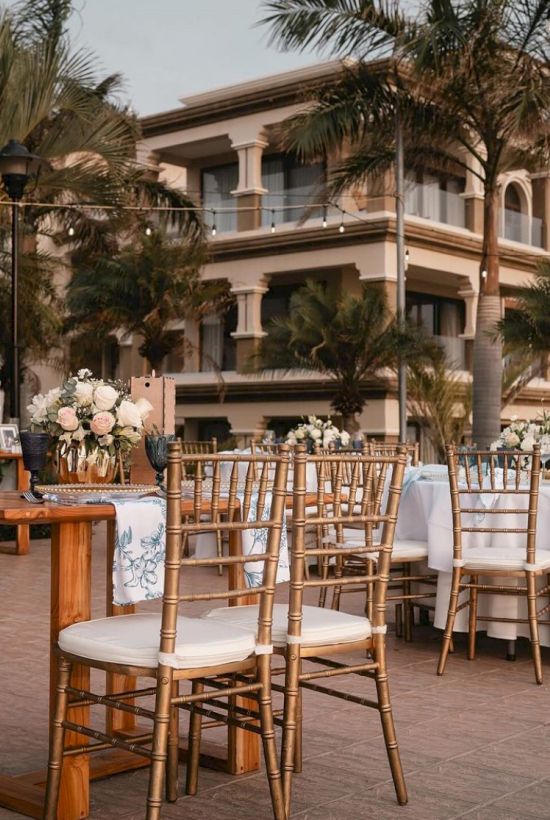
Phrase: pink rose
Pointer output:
(102, 423)
(67, 418)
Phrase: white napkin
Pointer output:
(140, 549)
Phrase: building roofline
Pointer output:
(260, 94)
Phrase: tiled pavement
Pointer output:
(474, 743)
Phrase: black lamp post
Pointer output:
(17, 164)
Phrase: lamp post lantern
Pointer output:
(17, 165)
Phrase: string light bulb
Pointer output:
(325, 223)
(71, 231)
(273, 220)
(148, 230)
(214, 229)
(342, 227)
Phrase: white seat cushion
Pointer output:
(505, 558)
(409, 550)
(320, 627)
(135, 640)
(405, 550)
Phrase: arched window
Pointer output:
(516, 219)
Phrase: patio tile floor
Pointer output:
(474, 743)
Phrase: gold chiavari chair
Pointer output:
(312, 633)
(386, 448)
(196, 448)
(408, 562)
(498, 551)
(173, 648)
(257, 446)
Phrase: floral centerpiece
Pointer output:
(318, 432)
(95, 424)
(522, 435)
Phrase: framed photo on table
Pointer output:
(9, 437)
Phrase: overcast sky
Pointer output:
(171, 48)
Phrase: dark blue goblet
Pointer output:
(156, 448)
(34, 447)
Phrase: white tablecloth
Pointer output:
(425, 515)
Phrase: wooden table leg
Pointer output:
(23, 530)
(243, 748)
(117, 721)
(71, 602)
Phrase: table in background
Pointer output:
(22, 540)
(425, 515)
(70, 601)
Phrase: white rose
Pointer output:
(145, 407)
(84, 393)
(291, 440)
(299, 434)
(84, 373)
(52, 395)
(128, 415)
(105, 397)
(345, 438)
(511, 440)
(315, 433)
(527, 443)
(38, 409)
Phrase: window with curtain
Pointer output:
(211, 344)
(289, 184)
(435, 197)
(216, 186)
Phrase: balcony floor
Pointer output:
(474, 743)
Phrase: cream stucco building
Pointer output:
(220, 147)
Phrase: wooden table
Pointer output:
(22, 483)
(70, 602)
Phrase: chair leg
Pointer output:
(298, 738)
(338, 573)
(369, 604)
(160, 742)
(407, 607)
(531, 580)
(472, 620)
(194, 744)
(324, 570)
(172, 762)
(386, 717)
(219, 549)
(451, 615)
(399, 620)
(268, 738)
(55, 762)
(290, 721)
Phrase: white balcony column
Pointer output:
(541, 204)
(470, 297)
(473, 195)
(249, 321)
(249, 191)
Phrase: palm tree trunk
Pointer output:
(487, 376)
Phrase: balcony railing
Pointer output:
(521, 228)
(454, 349)
(431, 202)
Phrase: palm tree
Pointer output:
(53, 101)
(526, 328)
(144, 289)
(439, 401)
(345, 337)
(468, 82)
